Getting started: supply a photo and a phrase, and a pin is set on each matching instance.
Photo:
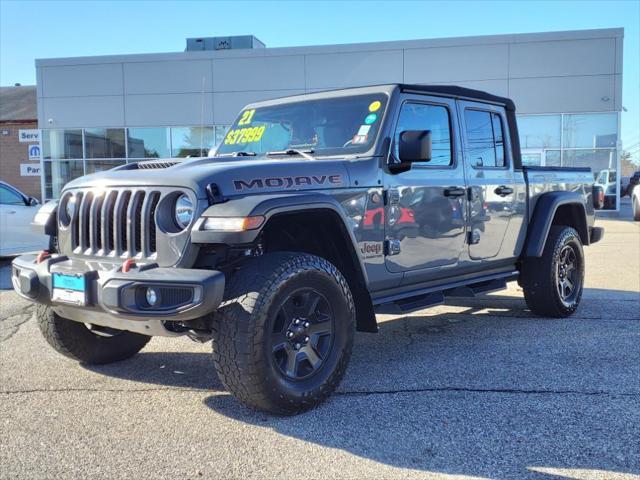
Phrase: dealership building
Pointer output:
(98, 112)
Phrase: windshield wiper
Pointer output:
(294, 151)
(238, 154)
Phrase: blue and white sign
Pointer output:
(29, 170)
(29, 136)
(34, 152)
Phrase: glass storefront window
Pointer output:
(552, 158)
(148, 142)
(94, 166)
(104, 143)
(221, 131)
(532, 159)
(191, 141)
(593, 130)
(58, 173)
(61, 144)
(539, 131)
(597, 160)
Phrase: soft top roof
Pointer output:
(460, 92)
(441, 90)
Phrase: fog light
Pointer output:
(152, 296)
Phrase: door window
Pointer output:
(485, 140)
(10, 197)
(420, 116)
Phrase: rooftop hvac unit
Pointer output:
(223, 43)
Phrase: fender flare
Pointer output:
(269, 205)
(542, 219)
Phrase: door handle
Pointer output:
(454, 191)
(503, 191)
(11, 212)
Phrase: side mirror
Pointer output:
(414, 146)
(32, 202)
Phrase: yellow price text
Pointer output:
(244, 135)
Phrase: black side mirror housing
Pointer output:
(32, 202)
(414, 146)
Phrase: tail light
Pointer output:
(598, 197)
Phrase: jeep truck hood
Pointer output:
(232, 176)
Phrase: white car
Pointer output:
(607, 180)
(16, 213)
(635, 202)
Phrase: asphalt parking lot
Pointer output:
(476, 388)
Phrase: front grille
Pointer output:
(117, 222)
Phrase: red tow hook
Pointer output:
(42, 256)
(128, 263)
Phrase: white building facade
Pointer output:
(99, 112)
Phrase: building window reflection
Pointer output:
(104, 143)
(61, 144)
(148, 142)
(191, 141)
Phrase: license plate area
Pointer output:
(69, 288)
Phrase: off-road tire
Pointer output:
(243, 324)
(74, 340)
(538, 275)
(636, 208)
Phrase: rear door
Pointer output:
(490, 177)
(424, 211)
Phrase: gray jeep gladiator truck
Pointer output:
(316, 212)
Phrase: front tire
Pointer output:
(283, 337)
(76, 341)
(553, 283)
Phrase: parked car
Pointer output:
(607, 179)
(635, 202)
(16, 213)
(316, 212)
(632, 182)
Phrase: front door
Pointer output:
(425, 206)
(492, 199)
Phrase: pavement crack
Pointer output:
(346, 393)
(487, 390)
(12, 323)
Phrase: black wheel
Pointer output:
(283, 338)
(88, 344)
(553, 283)
(636, 209)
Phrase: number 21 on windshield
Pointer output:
(246, 118)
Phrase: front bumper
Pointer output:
(116, 299)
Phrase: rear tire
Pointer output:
(553, 283)
(76, 341)
(636, 208)
(283, 337)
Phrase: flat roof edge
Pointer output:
(338, 48)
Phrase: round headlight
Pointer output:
(183, 211)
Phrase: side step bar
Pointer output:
(411, 304)
(417, 300)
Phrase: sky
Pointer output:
(48, 29)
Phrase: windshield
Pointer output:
(331, 126)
